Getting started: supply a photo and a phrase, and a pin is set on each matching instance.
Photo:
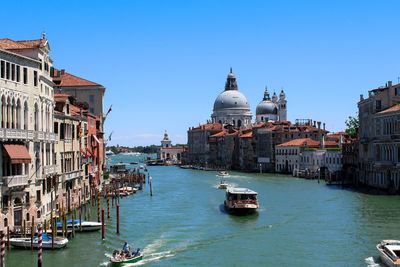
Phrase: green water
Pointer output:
(299, 223)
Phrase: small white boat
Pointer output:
(86, 226)
(389, 252)
(223, 174)
(25, 242)
(223, 185)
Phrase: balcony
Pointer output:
(17, 134)
(46, 137)
(71, 175)
(49, 169)
(16, 180)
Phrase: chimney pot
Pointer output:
(390, 83)
(62, 72)
(319, 125)
(315, 123)
(323, 125)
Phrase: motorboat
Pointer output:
(47, 243)
(389, 252)
(117, 260)
(241, 201)
(223, 185)
(223, 174)
(86, 226)
(133, 163)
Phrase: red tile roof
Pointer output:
(209, 126)
(221, 133)
(391, 109)
(8, 44)
(68, 80)
(247, 135)
(301, 142)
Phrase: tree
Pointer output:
(352, 124)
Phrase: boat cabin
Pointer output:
(240, 194)
(118, 168)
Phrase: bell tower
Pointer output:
(166, 143)
(282, 107)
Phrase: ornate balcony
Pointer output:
(17, 134)
(49, 169)
(15, 180)
(71, 175)
(46, 137)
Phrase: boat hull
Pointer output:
(239, 211)
(26, 243)
(86, 227)
(386, 259)
(115, 262)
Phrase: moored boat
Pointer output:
(389, 252)
(223, 185)
(223, 174)
(25, 242)
(241, 201)
(86, 226)
(116, 259)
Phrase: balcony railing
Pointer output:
(71, 175)
(29, 135)
(15, 180)
(49, 169)
(46, 137)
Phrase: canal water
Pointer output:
(299, 223)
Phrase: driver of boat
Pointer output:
(137, 253)
(126, 247)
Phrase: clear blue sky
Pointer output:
(163, 63)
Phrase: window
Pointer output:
(8, 66)
(397, 91)
(38, 195)
(35, 78)
(67, 108)
(25, 75)
(62, 131)
(91, 98)
(378, 105)
(3, 69)
(91, 110)
(56, 127)
(18, 73)
(13, 72)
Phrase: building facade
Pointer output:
(168, 153)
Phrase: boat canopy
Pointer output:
(70, 222)
(45, 237)
(242, 191)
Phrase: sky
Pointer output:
(163, 63)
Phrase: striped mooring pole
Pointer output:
(98, 206)
(108, 202)
(40, 245)
(3, 248)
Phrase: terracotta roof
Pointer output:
(391, 109)
(62, 78)
(8, 44)
(247, 135)
(262, 124)
(209, 126)
(331, 144)
(174, 148)
(301, 142)
(221, 133)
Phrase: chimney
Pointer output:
(315, 123)
(319, 126)
(62, 72)
(361, 97)
(389, 83)
(323, 125)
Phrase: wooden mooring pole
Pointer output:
(102, 224)
(108, 202)
(32, 231)
(39, 245)
(117, 218)
(3, 249)
(98, 206)
(151, 187)
(8, 237)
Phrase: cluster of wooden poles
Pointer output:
(81, 211)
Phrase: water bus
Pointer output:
(241, 201)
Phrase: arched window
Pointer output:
(19, 124)
(36, 118)
(239, 123)
(8, 116)
(3, 112)
(26, 116)
(12, 117)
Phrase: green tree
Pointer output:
(352, 124)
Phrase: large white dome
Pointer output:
(231, 99)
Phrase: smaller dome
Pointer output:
(266, 107)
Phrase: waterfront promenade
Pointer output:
(300, 223)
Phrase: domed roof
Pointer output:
(231, 99)
(266, 107)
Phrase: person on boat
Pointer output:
(137, 253)
(126, 247)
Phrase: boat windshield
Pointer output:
(248, 197)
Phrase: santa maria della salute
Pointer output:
(232, 107)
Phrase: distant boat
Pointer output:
(223, 185)
(86, 226)
(116, 260)
(223, 174)
(389, 251)
(25, 242)
(240, 201)
(109, 153)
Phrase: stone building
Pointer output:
(168, 153)
(379, 133)
(231, 106)
(27, 163)
(271, 109)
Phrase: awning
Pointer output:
(95, 138)
(90, 151)
(17, 153)
(84, 153)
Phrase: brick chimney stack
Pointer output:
(62, 72)
(315, 123)
(319, 126)
(323, 125)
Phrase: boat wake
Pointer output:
(152, 257)
(373, 262)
